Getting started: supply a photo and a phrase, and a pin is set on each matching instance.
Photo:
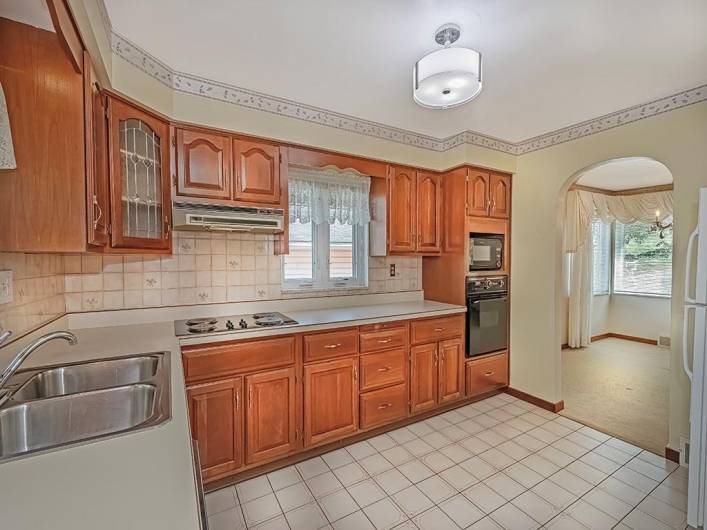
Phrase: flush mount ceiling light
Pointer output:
(448, 77)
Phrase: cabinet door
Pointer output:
(451, 370)
(429, 199)
(500, 196)
(203, 164)
(216, 418)
(271, 416)
(97, 201)
(477, 193)
(257, 172)
(138, 148)
(330, 400)
(423, 377)
(403, 207)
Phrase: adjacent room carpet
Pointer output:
(619, 387)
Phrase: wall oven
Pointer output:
(486, 315)
(486, 252)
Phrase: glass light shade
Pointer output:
(447, 78)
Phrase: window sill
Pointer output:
(644, 295)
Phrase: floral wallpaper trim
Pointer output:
(207, 88)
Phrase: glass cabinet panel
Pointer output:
(141, 171)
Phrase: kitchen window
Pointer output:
(601, 239)
(328, 230)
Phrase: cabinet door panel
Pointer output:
(203, 164)
(216, 418)
(489, 373)
(403, 205)
(500, 196)
(451, 370)
(271, 416)
(257, 171)
(429, 198)
(141, 207)
(477, 193)
(330, 400)
(423, 377)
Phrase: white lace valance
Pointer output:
(328, 195)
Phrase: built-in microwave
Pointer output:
(486, 252)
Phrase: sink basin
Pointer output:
(46, 423)
(56, 406)
(84, 377)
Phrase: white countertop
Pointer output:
(142, 480)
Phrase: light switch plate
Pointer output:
(5, 287)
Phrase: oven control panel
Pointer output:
(490, 284)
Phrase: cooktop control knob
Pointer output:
(229, 324)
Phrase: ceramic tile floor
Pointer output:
(496, 463)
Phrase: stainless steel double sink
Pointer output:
(57, 406)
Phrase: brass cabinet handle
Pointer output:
(384, 369)
(488, 206)
(384, 406)
(487, 374)
(384, 341)
(166, 227)
(250, 397)
(238, 399)
(96, 207)
(438, 329)
(332, 346)
(355, 373)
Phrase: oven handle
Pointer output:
(473, 300)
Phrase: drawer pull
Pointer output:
(332, 346)
(487, 374)
(384, 406)
(384, 341)
(384, 369)
(438, 329)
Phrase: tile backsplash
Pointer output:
(205, 268)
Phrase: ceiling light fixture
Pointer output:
(448, 77)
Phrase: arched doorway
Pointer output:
(614, 299)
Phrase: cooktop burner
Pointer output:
(230, 324)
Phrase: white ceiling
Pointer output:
(32, 12)
(626, 174)
(547, 64)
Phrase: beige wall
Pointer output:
(678, 140)
(647, 317)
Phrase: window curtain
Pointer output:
(582, 207)
(328, 195)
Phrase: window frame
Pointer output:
(610, 265)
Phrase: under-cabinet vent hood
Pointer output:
(216, 217)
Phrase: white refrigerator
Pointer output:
(695, 363)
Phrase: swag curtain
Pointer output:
(582, 208)
(328, 196)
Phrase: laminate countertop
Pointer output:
(145, 479)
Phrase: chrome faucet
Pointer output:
(27, 350)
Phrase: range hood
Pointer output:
(216, 217)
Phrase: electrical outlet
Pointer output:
(392, 270)
(5, 287)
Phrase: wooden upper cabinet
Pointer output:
(403, 207)
(203, 164)
(423, 377)
(500, 196)
(138, 151)
(271, 415)
(216, 417)
(429, 199)
(451, 370)
(477, 193)
(257, 172)
(330, 400)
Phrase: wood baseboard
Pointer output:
(538, 402)
(672, 455)
(602, 336)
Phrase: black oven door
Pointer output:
(487, 324)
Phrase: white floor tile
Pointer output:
(512, 518)
(591, 517)
(664, 512)
(420, 429)
(458, 478)
(253, 488)
(350, 474)
(436, 489)
(531, 443)
(623, 491)
(540, 465)
(571, 482)
(307, 517)
(402, 435)
(616, 455)
(454, 433)
(436, 440)
(384, 514)
(523, 475)
(436, 423)
(484, 498)
(544, 435)
(505, 430)
(496, 458)
(456, 453)
(570, 448)
(323, 484)
(559, 497)
(638, 520)
(485, 524)
(486, 421)
(434, 519)
(583, 440)
(555, 427)
(231, 519)
(593, 433)
(337, 505)
(461, 510)
(657, 461)
(470, 426)
(418, 447)
(504, 485)
(676, 498)
(533, 419)
(277, 523)
(436, 461)
(312, 467)
(607, 503)
(392, 481)
(587, 472)
(412, 501)
(513, 450)
(600, 462)
(556, 456)
(474, 444)
(220, 500)
(521, 424)
(620, 444)
(415, 471)
(355, 521)
(647, 469)
(478, 467)
(382, 442)
(491, 437)
(535, 506)
(375, 464)
(260, 509)
(397, 455)
(452, 416)
(366, 493)
(361, 450)
(565, 522)
(635, 479)
(294, 496)
(284, 477)
(337, 458)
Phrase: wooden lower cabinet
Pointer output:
(423, 377)
(330, 400)
(451, 370)
(216, 417)
(486, 374)
(386, 405)
(271, 421)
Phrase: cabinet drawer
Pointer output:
(486, 374)
(382, 340)
(433, 329)
(381, 369)
(330, 344)
(210, 361)
(383, 406)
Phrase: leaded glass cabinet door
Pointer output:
(140, 187)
